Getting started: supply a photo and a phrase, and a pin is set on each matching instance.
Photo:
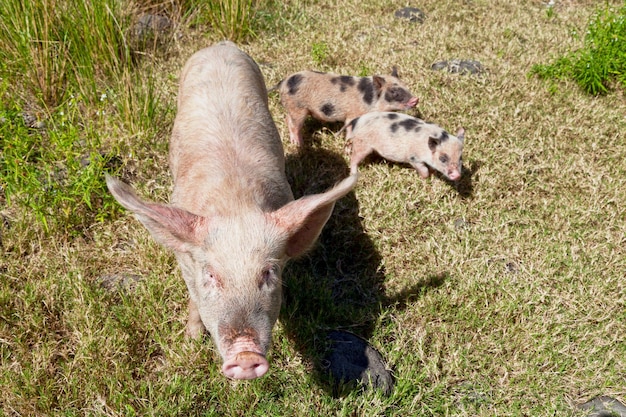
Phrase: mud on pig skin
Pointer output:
(339, 98)
(401, 138)
(232, 222)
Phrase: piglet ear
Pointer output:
(433, 143)
(394, 72)
(303, 219)
(172, 227)
(378, 82)
(460, 134)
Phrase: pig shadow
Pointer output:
(340, 283)
(312, 128)
(464, 186)
(469, 175)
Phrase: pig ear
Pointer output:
(378, 82)
(170, 226)
(433, 143)
(394, 72)
(461, 134)
(303, 219)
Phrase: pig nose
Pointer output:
(245, 365)
(454, 175)
(412, 102)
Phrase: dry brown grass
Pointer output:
(504, 295)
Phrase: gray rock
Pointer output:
(30, 120)
(604, 406)
(460, 225)
(151, 24)
(119, 282)
(459, 66)
(412, 14)
(352, 360)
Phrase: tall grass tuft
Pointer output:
(59, 46)
(232, 19)
(600, 61)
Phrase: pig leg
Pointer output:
(359, 151)
(295, 121)
(421, 168)
(347, 147)
(195, 328)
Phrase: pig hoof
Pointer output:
(194, 331)
(347, 148)
(245, 365)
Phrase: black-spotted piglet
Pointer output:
(401, 138)
(339, 98)
(232, 222)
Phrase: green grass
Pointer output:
(503, 295)
(55, 173)
(601, 62)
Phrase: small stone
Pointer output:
(604, 406)
(29, 119)
(458, 66)
(511, 267)
(117, 282)
(412, 14)
(150, 24)
(460, 224)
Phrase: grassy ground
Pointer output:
(503, 295)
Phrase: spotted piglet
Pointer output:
(401, 138)
(339, 98)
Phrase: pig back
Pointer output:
(225, 151)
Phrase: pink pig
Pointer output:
(339, 98)
(402, 138)
(232, 222)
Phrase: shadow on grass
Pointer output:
(339, 285)
(464, 186)
(312, 128)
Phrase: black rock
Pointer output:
(352, 360)
(412, 14)
(459, 66)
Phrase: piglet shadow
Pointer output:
(464, 186)
(339, 285)
(312, 127)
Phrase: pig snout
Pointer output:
(412, 102)
(454, 175)
(245, 365)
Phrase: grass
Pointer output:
(503, 295)
(602, 60)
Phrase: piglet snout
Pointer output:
(245, 365)
(412, 102)
(454, 175)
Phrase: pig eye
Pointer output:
(444, 159)
(269, 276)
(397, 94)
(208, 278)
